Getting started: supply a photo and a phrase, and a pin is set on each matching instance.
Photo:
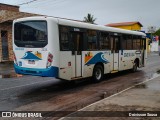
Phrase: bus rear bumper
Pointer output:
(47, 72)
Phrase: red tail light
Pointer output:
(50, 56)
(49, 60)
(69, 63)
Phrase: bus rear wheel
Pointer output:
(98, 73)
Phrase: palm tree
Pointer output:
(90, 18)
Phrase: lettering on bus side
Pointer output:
(76, 29)
(19, 48)
(129, 54)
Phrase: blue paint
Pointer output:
(30, 56)
(99, 57)
(48, 72)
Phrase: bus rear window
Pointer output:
(31, 34)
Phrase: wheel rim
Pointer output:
(98, 74)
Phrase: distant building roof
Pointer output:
(9, 16)
(123, 24)
(9, 7)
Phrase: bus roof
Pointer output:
(80, 24)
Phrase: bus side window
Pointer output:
(136, 42)
(112, 45)
(104, 41)
(124, 42)
(129, 42)
(64, 40)
(116, 44)
(92, 39)
(143, 43)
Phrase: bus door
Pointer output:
(115, 40)
(76, 46)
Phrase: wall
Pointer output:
(130, 27)
(9, 7)
(7, 27)
(124, 27)
(136, 27)
(6, 18)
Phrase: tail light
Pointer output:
(49, 60)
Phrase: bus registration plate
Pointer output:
(31, 62)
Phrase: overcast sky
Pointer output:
(106, 11)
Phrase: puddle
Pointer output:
(144, 85)
(155, 75)
(152, 76)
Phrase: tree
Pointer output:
(157, 32)
(89, 18)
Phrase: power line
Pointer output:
(27, 2)
(41, 3)
(51, 3)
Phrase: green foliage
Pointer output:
(89, 18)
(157, 33)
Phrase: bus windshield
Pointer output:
(30, 34)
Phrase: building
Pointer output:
(7, 14)
(127, 25)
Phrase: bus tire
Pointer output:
(98, 73)
(135, 66)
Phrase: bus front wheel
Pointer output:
(98, 73)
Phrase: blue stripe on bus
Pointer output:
(47, 72)
(99, 57)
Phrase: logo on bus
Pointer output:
(99, 57)
(32, 56)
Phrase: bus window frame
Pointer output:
(60, 44)
(46, 43)
(97, 40)
(109, 42)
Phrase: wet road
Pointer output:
(48, 94)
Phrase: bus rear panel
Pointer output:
(32, 55)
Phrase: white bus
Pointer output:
(70, 50)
